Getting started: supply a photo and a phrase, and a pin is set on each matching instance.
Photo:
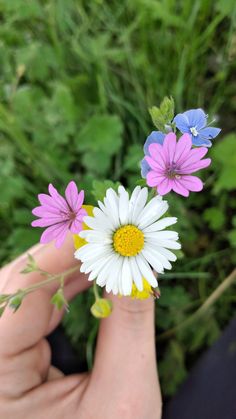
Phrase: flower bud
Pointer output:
(102, 308)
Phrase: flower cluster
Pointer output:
(168, 164)
(124, 242)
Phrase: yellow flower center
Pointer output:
(128, 240)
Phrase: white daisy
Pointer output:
(126, 241)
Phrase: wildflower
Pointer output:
(194, 122)
(126, 241)
(156, 137)
(172, 164)
(60, 214)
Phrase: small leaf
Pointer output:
(58, 299)
(16, 301)
(163, 116)
(2, 311)
(100, 188)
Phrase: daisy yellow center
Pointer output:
(128, 240)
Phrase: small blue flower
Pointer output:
(194, 122)
(154, 137)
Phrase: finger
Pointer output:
(126, 351)
(29, 324)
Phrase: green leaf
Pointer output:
(58, 299)
(215, 218)
(132, 158)
(2, 311)
(102, 133)
(232, 237)
(163, 115)
(224, 158)
(100, 188)
(16, 301)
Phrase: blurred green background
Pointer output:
(76, 80)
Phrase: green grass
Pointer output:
(76, 80)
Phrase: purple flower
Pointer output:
(59, 214)
(194, 122)
(156, 137)
(172, 164)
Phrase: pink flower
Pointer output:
(59, 214)
(172, 164)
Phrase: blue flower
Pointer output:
(154, 137)
(194, 122)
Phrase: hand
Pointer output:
(123, 383)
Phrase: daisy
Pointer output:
(194, 122)
(59, 214)
(126, 241)
(172, 163)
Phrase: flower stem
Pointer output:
(50, 278)
(228, 281)
(95, 291)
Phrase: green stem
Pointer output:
(228, 281)
(57, 277)
(95, 290)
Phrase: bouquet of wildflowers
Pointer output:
(127, 241)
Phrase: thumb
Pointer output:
(126, 355)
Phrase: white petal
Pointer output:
(96, 224)
(132, 201)
(89, 251)
(136, 274)
(157, 256)
(95, 263)
(167, 253)
(153, 260)
(94, 236)
(102, 218)
(112, 203)
(126, 277)
(160, 225)
(169, 244)
(112, 282)
(162, 235)
(106, 271)
(153, 211)
(146, 271)
(139, 204)
(123, 206)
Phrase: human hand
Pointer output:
(123, 383)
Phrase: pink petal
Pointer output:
(156, 152)
(61, 238)
(196, 166)
(194, 156)
(76, 227)
(61, 202)
(155, 165)
(192, 183)
(180, 189)
(169, 146)
(165, 186)
(81, 214)
(46, 222)
(154, 178)
(71, 194)
(44, 210)
(183, 148)
(53, 232)
(53, 202)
